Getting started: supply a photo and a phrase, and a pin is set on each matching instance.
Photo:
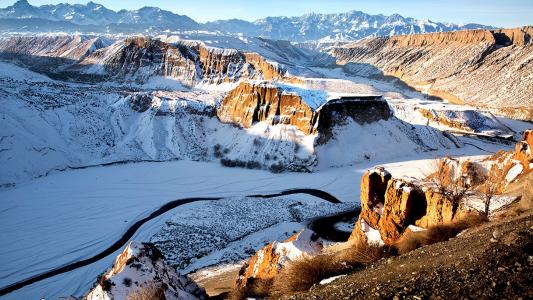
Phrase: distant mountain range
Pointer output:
(93, 17)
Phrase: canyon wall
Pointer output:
(308, 110)
(188, 62)
(479, 67)
(391, 206)
(256, 102)
(139, 59)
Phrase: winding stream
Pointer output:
(328, 227)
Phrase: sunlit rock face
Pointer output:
(271, 259)
(258, 102)
(188, 62)
(478, 67)
(390, 205)
(140, 58)
(311, 111)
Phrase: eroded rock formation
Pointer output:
(478, 67)
(188, 62)
(140, 58)
(389, 206)
(252, 102)
(268, 261)
(141, 265)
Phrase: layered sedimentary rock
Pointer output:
(140, 58)
(189, 62)
(389, 206)
(308, 110)
(74, 47)
(141, 266)
(478, 67)
(250, 103)
(269, 260)
(465, 120)
(508, 165)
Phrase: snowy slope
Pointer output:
(70, 215)
(50, 125)
(141, 265)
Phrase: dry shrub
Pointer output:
(452, 186)
(437, 233)
(257, 288)
(362, 253)
(148, 291)
(302, 274)
(512, 211)
(237, 294)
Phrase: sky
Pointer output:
(501, 13)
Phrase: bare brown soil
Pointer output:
(474, 265)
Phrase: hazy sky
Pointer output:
(503, 13)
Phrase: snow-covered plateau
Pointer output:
(82, 159)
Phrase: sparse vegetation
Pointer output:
(453, 187)
(277, 168)
(296, 147)
(217, 150)
(149, 291)
(435, 234)
(489, 188)
(301, 274)
(232, 163)
(106, 285)
(255, 288)
(257, 142)
(127, 281)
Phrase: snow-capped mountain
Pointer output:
(96, 14)
(345, 26)
(94, 17)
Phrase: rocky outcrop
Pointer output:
(263, 102)
(139, 58)
(390, 205)
(68, 47)
(469, 120)
(478, 67)
(268, 261)
(308, 110)
(142, 266)
(507, 166)
(189, 62)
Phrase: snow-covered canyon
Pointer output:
(82, 160)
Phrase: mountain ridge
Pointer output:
(92, 16)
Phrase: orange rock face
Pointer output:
(269, 260)
(403, 204)
(463, 37)
(524, 151)
(390, 205)
(479, 67)
(189, 62)
(250, 103)
(373, 187)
